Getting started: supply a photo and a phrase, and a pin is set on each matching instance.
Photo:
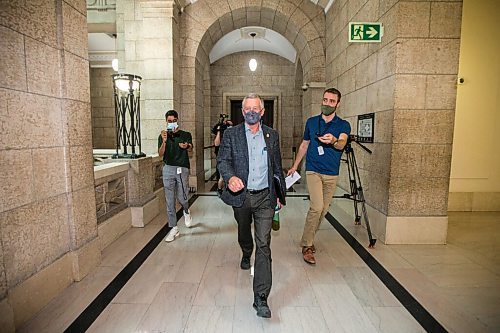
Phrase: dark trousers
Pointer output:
(257, 207)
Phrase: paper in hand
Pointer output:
(292, 179)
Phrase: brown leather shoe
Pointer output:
(308, 255)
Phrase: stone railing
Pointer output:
(101, 12)
(157, 172)
(120, 184)
(101, 5)
(110, 189)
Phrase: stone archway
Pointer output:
(203, 23)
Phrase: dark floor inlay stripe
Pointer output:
(423, 317)
(90, 314)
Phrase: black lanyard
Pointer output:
(318, 133)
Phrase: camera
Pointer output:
(220, 125)
(222, 117)
(305, 86)
(170, 133)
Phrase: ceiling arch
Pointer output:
(253, 39)
(302, 23)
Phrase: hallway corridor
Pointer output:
(194, 284)
(85, 87)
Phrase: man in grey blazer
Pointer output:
(249, 161)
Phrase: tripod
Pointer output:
(356, 194)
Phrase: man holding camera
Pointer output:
(325, 136)
(218, 131)
(173, 146)
(249, 161)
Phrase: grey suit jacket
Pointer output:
(232, 160)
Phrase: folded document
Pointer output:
(292, 179)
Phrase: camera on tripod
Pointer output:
(356, 193)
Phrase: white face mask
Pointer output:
(172, 126)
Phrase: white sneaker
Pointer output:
(188, 220)
(174, 232)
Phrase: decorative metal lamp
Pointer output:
(127, 91)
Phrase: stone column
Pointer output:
(426, 58)
(145, 31)
(408, 81)
(77, 131)
(49, 226)
(311, 106)
(312, 99)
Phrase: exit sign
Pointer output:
(365, 32)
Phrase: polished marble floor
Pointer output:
(194, 284)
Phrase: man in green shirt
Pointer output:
(173, 146)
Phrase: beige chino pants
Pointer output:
(321, 189)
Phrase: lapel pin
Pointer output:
(267, 135)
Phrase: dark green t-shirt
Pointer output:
(175, 155)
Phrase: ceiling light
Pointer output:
(253, 63)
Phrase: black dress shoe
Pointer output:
(260, 304)
(245, 263)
